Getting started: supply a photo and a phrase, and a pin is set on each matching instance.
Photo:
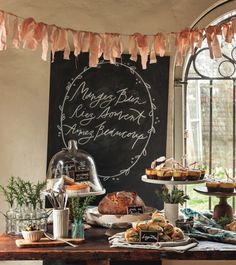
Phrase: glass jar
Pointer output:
(10, 221)
(77, 230)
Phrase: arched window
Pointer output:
(210, 111)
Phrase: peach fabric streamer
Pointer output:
(111, 47)
(182, 43)
(3, 32)
(77, 41)
(143, 47)
(95, 47)
(160, 44)
(28, 33)
(41, 36)
(16, 33)
(213, 42)
(133, 48)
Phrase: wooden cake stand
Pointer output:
(222, 209)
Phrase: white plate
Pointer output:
(92, 216)
(75, 193)
(184, 182)
(164, 244)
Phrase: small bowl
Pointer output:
(32, 236)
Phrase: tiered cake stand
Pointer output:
(222, 209)
(171, 213)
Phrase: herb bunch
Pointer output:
(78, 206)
(9, 191)
(23, 192)
(172, 196)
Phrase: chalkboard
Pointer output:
(116, 112)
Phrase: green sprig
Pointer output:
(78, 207)
(172, 196)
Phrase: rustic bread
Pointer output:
(118, 202)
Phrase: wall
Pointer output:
(24, 90)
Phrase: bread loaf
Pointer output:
(118, 202)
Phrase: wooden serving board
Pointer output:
(45, 242)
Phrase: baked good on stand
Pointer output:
(79, 187)
(193, 174)
(164, 173)
(151, 173)
(180, 175)
(118, 202)
(212, 186)
(226, 187)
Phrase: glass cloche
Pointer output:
(76, 164)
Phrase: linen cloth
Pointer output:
(118, 240)
(206, 228)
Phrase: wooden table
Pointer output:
(96, 250)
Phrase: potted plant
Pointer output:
(172, 198)
(77, 208)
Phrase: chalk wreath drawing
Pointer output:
(93, 112)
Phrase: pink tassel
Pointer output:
(94, 50)
(16, 33)
(159, 44)
(27, 32)
(142, 44)
(77, 42)
(85, 42)
(213, 42)
(117, 47)
(44, 43)
(3, 33)
(153, 58)
(133, 48)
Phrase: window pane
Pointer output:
(222, 129)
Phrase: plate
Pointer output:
(164, 244)
(92, 216)
(75, 193)
(172, 182)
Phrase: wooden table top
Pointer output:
(96, 247)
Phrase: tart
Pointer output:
(151, 173)
(79, 187)
(164, 174)
(226, 187)
(212, 186)
(180, 175)
(194, 174)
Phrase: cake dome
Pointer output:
(75, 164)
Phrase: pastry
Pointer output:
(177, 234)
(159, 219)
(212, 186)
(194, 174)
(68, 180)
(168, 229)
(79, 187)
(231, 226)
(132, 235)
(154, 226)
(118, 202)
(180, 175)
(226, 186)
(164, 237)
(151, 173)
(164, 174)
(141, 226)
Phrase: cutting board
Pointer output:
(45, 242)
